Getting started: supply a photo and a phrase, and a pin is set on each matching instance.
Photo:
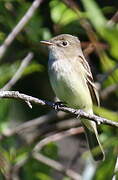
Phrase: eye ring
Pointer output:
(64, 43)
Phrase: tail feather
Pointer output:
(93, 141)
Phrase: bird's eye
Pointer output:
(65, 43)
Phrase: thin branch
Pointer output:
(19, 72)
(88, 28)
(16, 168)
(108, 73)
(108, 90)
(19, 27)
(42, 126)
(57, 137)
(55, 165)
(52, 163)
(85, 25)
(89, 49)
(78, 113)
(116, 166)
(29, 124)
(114, 19)
(23, 97)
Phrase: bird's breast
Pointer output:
(69, 84)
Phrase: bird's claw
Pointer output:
(58, 104)
(79, 114)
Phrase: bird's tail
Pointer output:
(93, 141)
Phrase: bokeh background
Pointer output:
(94, 23)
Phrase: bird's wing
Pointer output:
(90, 82)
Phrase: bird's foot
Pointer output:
(58, 104)
(79, 113)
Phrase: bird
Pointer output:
(72, 82)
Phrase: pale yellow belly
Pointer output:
(70, 87)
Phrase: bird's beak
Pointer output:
(47, 43)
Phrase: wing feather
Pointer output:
(90, 81)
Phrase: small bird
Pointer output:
(72, 82)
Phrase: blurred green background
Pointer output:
(90, 21)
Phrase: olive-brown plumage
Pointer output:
(72, 82)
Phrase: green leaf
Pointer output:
(42, 176)
(33, 67)
(106, 168)
(61, 14)
(8, 70)
(94, 14)
(108, 32)
(103, 112)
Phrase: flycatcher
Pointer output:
(72, 82)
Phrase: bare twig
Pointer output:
(52, 163)
(78, 113)
(55, 165)
(108, 90)
(114, 19)
(29, 124)
(16, 168)
(85, 44)
(58, 136)
(116, 166)
(23, 97)
(33, 129)
(19, 72)
(88, 28)
(108, 73)
(19, 27)
(89, 49)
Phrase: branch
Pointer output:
(37, 122)
(108, 90)
(55, 165)
(86, 25)
(19, 27)
(78, 113)
(13, 171)
(19, 72)
(52, 163)
(41, 127)
(116, 166)
(88, 50)
(57, 137)
(16, 168)
(108, 73)
(114, 19)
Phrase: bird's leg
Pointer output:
(79, 113)
(58, 104)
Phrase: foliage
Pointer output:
(51, 18)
